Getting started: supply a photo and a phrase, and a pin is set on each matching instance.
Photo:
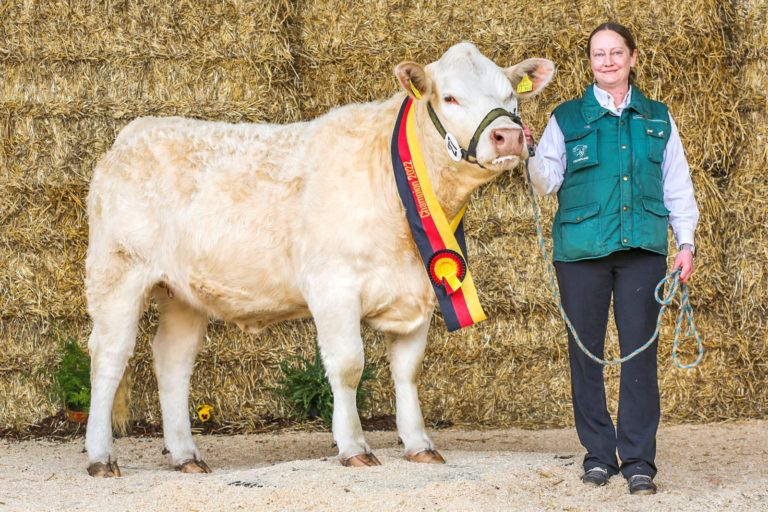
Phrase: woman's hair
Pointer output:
(625, 34)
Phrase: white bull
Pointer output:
(256, 223)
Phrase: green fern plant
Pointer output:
(72, 376)
(307, 390)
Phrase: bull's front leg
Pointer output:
(337, 318)
(406, 353)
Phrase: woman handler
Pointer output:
(615, 159)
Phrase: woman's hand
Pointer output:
(684, 261)
(528, 135)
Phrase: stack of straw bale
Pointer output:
(72, 73)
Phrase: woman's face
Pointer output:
(611, 60)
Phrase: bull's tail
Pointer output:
(121, 412)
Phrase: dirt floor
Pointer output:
(710, 467)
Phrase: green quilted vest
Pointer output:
(611, 198)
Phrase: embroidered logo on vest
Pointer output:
(580, 152)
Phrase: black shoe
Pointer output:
(596, 477)
(641, 484)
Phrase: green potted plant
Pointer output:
(72, 378)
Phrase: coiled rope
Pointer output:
(673, 278)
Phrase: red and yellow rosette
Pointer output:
(447, 269)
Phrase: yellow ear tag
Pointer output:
(415, 90)
(525, 84)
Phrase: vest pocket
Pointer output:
(655, 223)
(656, 132)
(581, 149)
(580, 231)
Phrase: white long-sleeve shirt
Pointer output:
(547, 170)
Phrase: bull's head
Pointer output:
(473, 103)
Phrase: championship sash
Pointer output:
(441, 245)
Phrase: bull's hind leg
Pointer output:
(115, 308)
(175, 347)
(406, 353)
(338, 333)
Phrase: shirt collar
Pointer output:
(606, 100)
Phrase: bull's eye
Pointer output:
(450, 99)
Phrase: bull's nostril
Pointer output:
(499, 138)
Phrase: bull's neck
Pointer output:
(452, 182)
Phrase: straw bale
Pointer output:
(76, 71)
(751, 29)
(510, 371)
(186, 29)
(151, 86)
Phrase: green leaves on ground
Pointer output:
(307, 390)
(72, 376)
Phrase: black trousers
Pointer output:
(586, 288)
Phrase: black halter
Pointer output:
(469, 153)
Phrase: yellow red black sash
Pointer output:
(441, 244)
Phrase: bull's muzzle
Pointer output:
(508, 141)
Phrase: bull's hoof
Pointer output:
(425, 456)
(103, 470)
(192, 466)
(361, 460)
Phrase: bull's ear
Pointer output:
(413, 79)
(530, 76)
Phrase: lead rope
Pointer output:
(674, 277)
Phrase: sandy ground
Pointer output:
(701, 468)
